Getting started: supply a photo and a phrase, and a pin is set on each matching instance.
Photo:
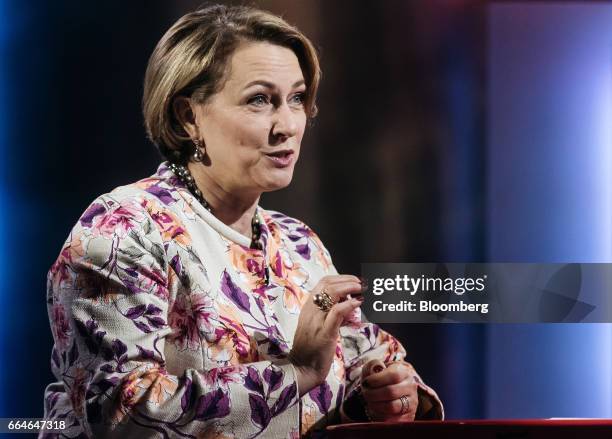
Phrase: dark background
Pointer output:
(393, 170)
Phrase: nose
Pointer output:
(285, 124)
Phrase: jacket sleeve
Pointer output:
(365, 341)
(362, 341)
(109, 298)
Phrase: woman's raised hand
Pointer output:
(316, 335)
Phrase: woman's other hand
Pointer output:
(316, 335)
(383, 387)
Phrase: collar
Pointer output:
(169, 188)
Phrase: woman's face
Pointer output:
(252, 128)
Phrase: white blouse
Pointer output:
(166, 323)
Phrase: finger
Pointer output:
(336, 278)
(394, 410)
(339, 291)
(389, 393)
(328, 282)
(372, 366)
(336, 316)
(385, 409)
(394, 373)
(409, 366)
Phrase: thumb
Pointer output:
(371, 367)
(337, 314)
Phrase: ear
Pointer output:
(184, 111)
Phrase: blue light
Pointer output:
(4, 244)
(550, 195)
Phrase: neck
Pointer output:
(236, 211)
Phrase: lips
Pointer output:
(281, 158)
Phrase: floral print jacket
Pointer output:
(166, 323)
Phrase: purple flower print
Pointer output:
(322, 396)
(135, 312)
(303, 250)
(186, 400)
(120, 221)
(274, 377)
(93, 338)
(164, 195)
(60, 327)
(145, 353)
(252, 381)
(149, 313)
(119, 348)
(260, 412)
(93, 211)
(175, 263)
(234, 293)
(215, 404)
(284, 399)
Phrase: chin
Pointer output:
(278, 183)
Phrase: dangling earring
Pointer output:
(198, 154)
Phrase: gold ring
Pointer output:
(323, 301)
(405, 404)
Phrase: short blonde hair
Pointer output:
(192, 57)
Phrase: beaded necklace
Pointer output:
(183, 174)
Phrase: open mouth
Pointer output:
(281, 158)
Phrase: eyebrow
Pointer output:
(270, 85)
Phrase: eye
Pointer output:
(258, 100)
(299, 98)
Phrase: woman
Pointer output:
(179, 307)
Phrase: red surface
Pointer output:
(481, 429)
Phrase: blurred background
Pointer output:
(452, 131)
